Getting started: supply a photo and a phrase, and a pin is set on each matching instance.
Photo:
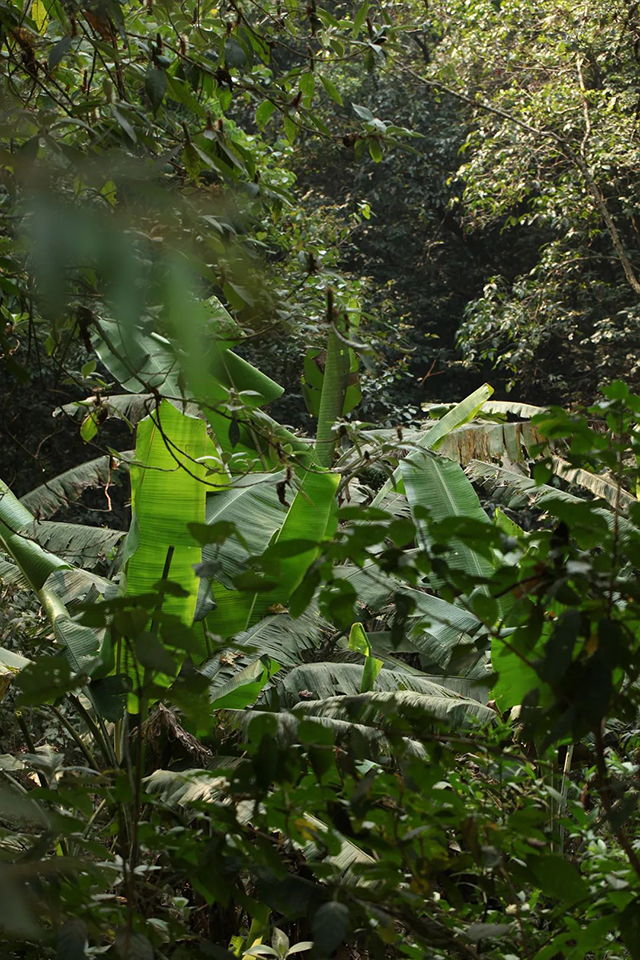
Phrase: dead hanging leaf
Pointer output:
(102, 26)
(281, 490)
(24, 40)
(277, 608)
(229, 657)
(320, 360)
(167, 742)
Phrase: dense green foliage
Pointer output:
(308, 645)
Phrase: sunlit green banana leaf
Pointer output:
(332, 398)
(168, 492)
(441, 486)
(17, 538)
(308, 520)
(462, 413)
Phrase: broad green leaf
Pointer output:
(245, 686)
(506, 524)
(155, 86)
(441, 486)
(559, 879)
(18, 539)
(264, 112)
(360, 17)
(167, 493)
(308, 518)
(331, 89)
(462, 413)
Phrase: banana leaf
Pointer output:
(462, 413)
(441, 486)
(168, 492)
(18, 540)
(64, 489)
(307, 521)
(332, 398)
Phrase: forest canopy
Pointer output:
(319, 522)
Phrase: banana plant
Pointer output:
(208, 496)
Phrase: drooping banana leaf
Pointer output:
(490, 441)
(349, 862)
(437, 627)
(505, 407)
(308, 520)
(516, 490)
(58, 492)
(441, 486)
(601, 487)
(462, 413)
(253, 505)
(279, 636)
(286, 725)
(17, 538)
(81, 644)
(79, 544)
(76, 584)
(186, 787)
(433, 703)
(168, 492)
(189, 788)
(319, 681)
